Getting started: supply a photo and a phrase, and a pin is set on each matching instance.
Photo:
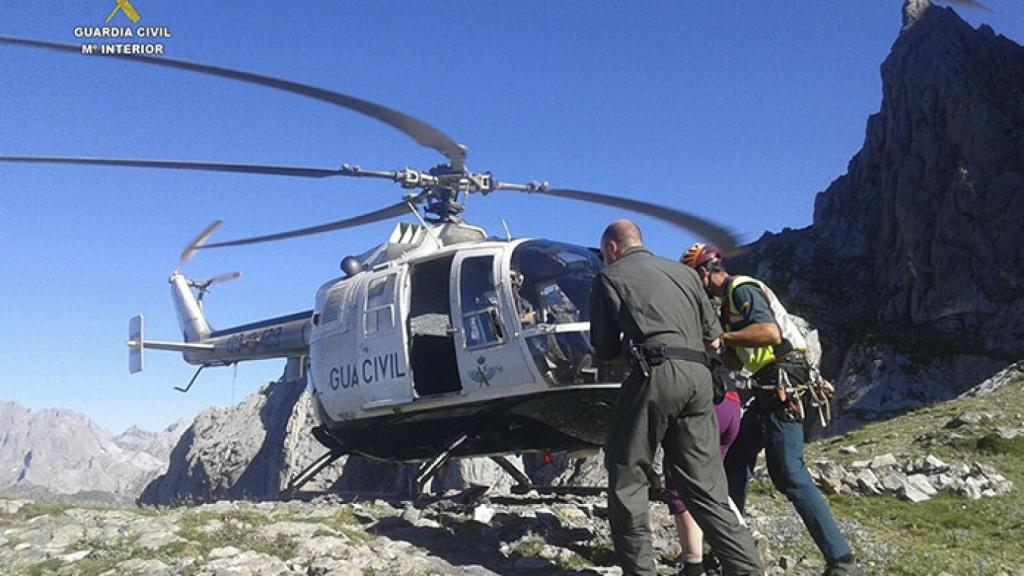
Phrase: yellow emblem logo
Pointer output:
(126, 7)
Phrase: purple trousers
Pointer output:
(728, 413)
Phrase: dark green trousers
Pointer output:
(673, 408)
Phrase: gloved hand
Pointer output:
(828, 389)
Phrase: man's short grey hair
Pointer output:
(623, 232)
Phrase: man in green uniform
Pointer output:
(655, 312)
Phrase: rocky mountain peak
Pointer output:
(913, 268)
(934, 200)
(913, 10)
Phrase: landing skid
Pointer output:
(335, 450)
(428, 469)
(560, 490)
(312, 470)
(522, 480)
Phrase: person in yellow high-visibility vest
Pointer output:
(764, 340)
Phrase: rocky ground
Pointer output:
(933, 492)
(468, 533)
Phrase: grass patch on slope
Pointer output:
(949, 532)
(31, 510)
(105, 556)
(206, 531)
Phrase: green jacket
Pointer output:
(644, 298)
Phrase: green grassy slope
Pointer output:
(948, 533)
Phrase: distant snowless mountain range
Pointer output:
(53, 453)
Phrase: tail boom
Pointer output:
(283, 337)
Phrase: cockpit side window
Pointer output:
(379, 316)
(556, 279)
(478, 296)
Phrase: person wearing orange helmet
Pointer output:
(762, 338)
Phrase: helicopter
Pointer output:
(442, 341)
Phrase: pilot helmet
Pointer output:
(517, 277)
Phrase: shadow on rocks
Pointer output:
(465, 543)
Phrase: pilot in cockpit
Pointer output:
(527, 313)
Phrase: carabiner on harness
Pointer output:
(787, 391)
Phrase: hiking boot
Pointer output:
(845, 566)
(692, 569)
(712, 567)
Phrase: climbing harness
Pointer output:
(791, 393)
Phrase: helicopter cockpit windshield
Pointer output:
(552, 284)
(556, 280)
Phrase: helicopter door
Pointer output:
(382, 367)
(487, 355)
(431, 337)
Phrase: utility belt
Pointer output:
(790, 384)
(792, 356)
(643, 357)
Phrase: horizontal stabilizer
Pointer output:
(136, 343)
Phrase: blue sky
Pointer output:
(739, 113)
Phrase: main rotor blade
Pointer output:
(199, 240)
(971, 4)
(717, 235)
(418, 130)
(179, 165)
(392, 211)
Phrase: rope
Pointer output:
(234, 378)
(816, 386)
